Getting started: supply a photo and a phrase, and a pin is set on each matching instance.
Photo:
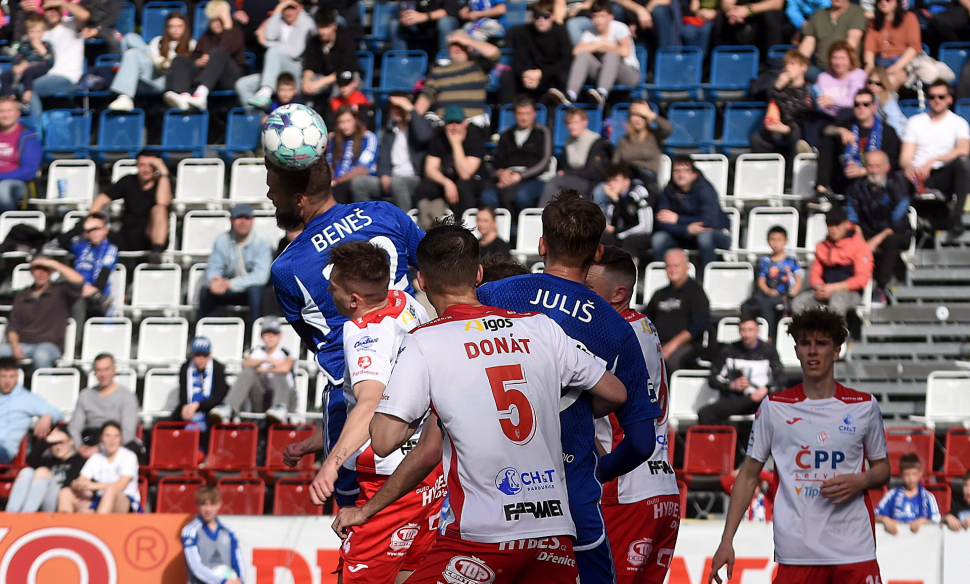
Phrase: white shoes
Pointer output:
(277, 415)
(199, 103)
(122, 104)
(221, 414)
(179, 101)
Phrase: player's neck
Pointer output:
(445, 300)
(364, 311)
(571, 273)
(312, 210)
(824, 388)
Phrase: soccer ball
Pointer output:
(294, 137)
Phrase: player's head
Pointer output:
(496, 266)
(361, 272)
(910, 470)
(818, 336)
(613, 277)
(295, 192)
(448, 259)
(208, 500)
(571, 230)
(777, 238)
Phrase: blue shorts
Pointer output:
(596, 565)
(135, 505)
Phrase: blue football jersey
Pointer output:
(301, 276)
(600, 330)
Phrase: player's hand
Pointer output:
(348, 517)
(293, 453)
(322, 486)
(723, 556)
(842, 487)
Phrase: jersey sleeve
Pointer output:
(932, 507)
(408, 392)
(885, 504)
(369, 353)
(577, 368)
(875, 440)
(90, 468)
(641, 400)
(129, 465)
(759, 444)
(485, 293)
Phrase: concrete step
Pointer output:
(925, 351)
(917, 332)
(926, 294)
(919, 313)
(890, 371)
(939, 274)
(943, 257)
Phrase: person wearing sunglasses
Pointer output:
(934, 156)
(887, 99)
(94, 258)
(541, 56)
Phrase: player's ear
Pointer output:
(478, 277)
(619, 293)
(599, 253)
(543, 248)
(422, 282)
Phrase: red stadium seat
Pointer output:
(18, 461)
(682, 487)
(956, 460)
(292, 497)
(942, 494)
(143, 491)
(709, 450)
(177, 494)
(910, 439)
(232, 448)
(242, 495)
(876, 495)
(175, 447)
(277, 438)
(6, 484)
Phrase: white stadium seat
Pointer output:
(226, 334)
(728, 284)
(59, 387)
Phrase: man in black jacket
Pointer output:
(541, 58)
(745, 372)
(202, 386)
(101, 24)
(522, 155)
(400, 162)
(332, 50)
(424, 24)
(582, 160)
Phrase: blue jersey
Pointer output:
(90, 261)
(600, 330)
(301, 276)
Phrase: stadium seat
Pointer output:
(366, 60)
(947, 399)
(123, 168)
(162, 341)
(265, 227)
(762, 219)
(815, 231)
(291, 496)
(66, 132)
(194, 288)
(302, 381)
(527, 233)
(126, 18)
(226, 334)
(715, 168)
(494, 76)
(176, 494)
(184, 131)
(910, 439)
(19, 461)
(741, 119)
(728, 284)
(120, 132)
(734, 216)
(516, 14)
(804, 171)
(156, 287)
(8, 219)
(58, 386)
(559, 131)
(689, 392)
(159, 387)
(727, 329)
(232, 448)
(954, 55)
(778, 51)
(943, 496)
(243, 127)
(909, 107)
(81, 177)
(676, 73)
(106, 335)
(291, 340)
(709, 450)
(506, 116)
(732, 69)
(693, 126)
(175, 447)
(503, 222)
(199, 181)
(655, 278)
(278, 436)
(963, 109)
(241, 495)
(6, 485)
(381, 16)
(200, 230)
(153, 16)
(200, 22)
(247, 182)
(956, 456)
(759, 177)
(637, 90)
(401, 70)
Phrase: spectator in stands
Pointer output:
(20, 155)
(146, 67)
(349, 96)
(495, 267)
(936, 155)
(629, 213)
(108, 481)
(582, 160)
(837, 85)
(604, 55)
(910, 503)
(51, 464)
(799, 11)
(424, 25)
(663, 19)
(689, 215)
(147, 195)
(33, 59)
(640, 147)
(490, 243)
(541, 55)
(94, 258)
(463, 82)
(887, 99)
(893, 40)
(219, 59)
(778, 280)
(947, 26)
(699, 24)
(521, 157)
(844, 148)
(356, 147)
(238, 268)
(483, 20)
(267, 372)
(959, 515)
(841, 270)
(39, 316)
(680, 312)
(400, 161)
(752, 22)
(64, 36)
(209, 544)
(744, 373)
(17, 407)
(792, 99)
(202, 386)
(841, 21)
(452, 177)
(101, 23)
(103, 403)
(285, 36)
(332, 50)
(878, 204)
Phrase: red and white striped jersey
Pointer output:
(370, 347)
(812, 441)
(655, 476)
(494, 379)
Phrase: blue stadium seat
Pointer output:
(732, 69)
(954, 55)
(677, 73)
(741, 119)
(121, 132)
(638, 89)
(559, 131)
(506, 116)
(400, 70)
(380, 17)
(6, 63)
(516, 13)
(184, 131)
(153, 17)
(963, 109)
(619, 115)
(366, 60)
(66, 131)
(778, 51)
(909, 107)
(200, 22)
(126, 18)
(496, 73)
(693, 126)
(103, 60)
(243, 128)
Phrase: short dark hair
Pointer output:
(601, 6)
(524, 101)
(572, 227)
(100, 216)
(619, 264)
(866, 91)
(684, 159)
(285, 79)
(325, 17)
(101, 356)
(312, 182)
(576, 111)
(908, 461)
(613, 169)
(940, 83)
(543, 7)
(496, 266)
(363, 267)
(147, 152)
(8, 363)
(747, 318)
(109, 424)
(821, 322)
(448, 257)
(489, 209)
(777, 229)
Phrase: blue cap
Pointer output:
(241, 210)
(201, 346)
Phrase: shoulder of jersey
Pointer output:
(633, 316)
(851, 396)
(397, 302)
(791, 395)
(486, 312)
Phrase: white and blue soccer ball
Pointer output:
(294, 137)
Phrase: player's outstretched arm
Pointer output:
(415, 467)
(842, 487)
(638, 444)
(608, 394)
(744, 486)
(297, 450)
(389, 432)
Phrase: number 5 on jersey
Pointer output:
(515, 413)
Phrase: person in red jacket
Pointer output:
(841, 270)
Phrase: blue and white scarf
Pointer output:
(875, 141)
